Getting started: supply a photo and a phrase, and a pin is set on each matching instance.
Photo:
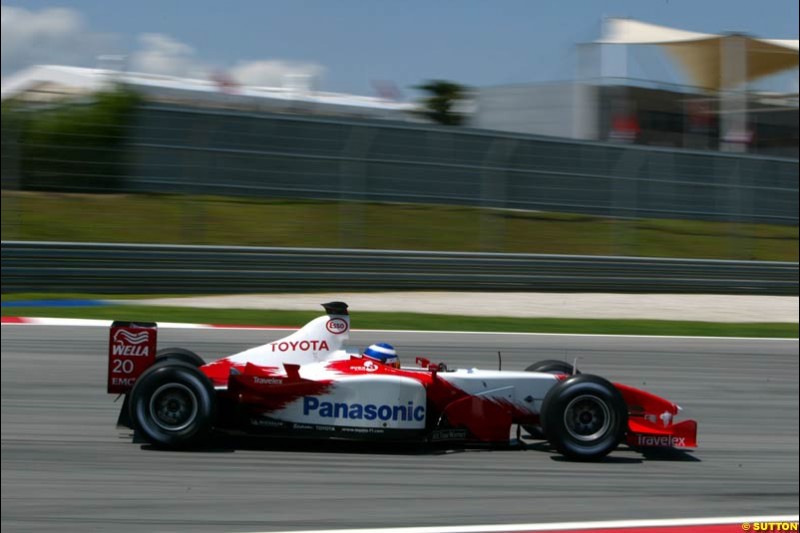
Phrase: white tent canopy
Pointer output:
(706, 56)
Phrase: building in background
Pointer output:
(55, 83)
(716, 110)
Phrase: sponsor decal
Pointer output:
(267, 381)
(361, 431)
(265, 422)
(131, 349)
(660, 440)
(368, 366)
(336, 326)
(130, 338)
(302, 346)
(122, 382)
(449, 434)
(358, 411)
(131, 344)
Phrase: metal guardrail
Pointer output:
(142, 268)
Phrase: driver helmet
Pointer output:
(384, 353)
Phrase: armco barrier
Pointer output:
(142, 268)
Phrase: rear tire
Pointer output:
(550, 366)
(179, 354)
(584, 417)
(173, 405)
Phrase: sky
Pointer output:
(352, 45)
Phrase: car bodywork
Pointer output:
(309, 384)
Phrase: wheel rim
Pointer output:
(587, 418)
(173, 407)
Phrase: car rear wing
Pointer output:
(131, 350)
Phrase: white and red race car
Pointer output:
(309, 385)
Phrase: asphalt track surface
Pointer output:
(66, 467)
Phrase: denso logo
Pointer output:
(303, 346)
(336, 325)
(130, 344)
(661, 440)
(357, 411)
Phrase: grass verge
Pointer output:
(417, 321)
(173, 219)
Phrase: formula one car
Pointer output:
(309, 385)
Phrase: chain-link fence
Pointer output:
(202, 152)
(128, 146)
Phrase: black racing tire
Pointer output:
(550, 366)
(584, 417)
(173, 405)
(179, 354)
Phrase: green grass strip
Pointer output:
(176, 219)
(416, 321)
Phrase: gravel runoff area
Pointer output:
(693, 307)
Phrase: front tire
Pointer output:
(173, 405)
(584, 417)
(552, 366)
(549, 366)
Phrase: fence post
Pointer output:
(494, 193)
(194, 216)
(625, 177)
(353, 187)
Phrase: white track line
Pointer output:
(632, 524)
(83, 322)
(576, 334)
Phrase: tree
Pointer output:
(442, 101)
(74, 145)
